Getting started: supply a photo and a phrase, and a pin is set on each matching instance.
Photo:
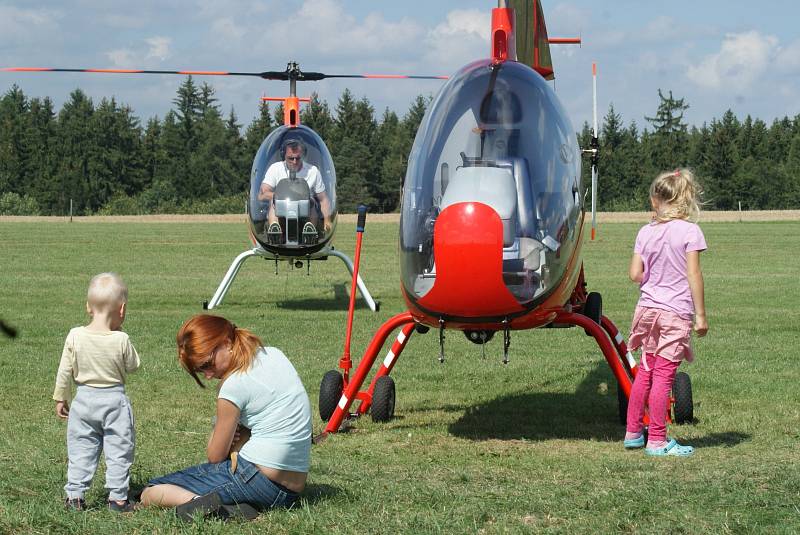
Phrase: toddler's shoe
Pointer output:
(125, 507)
(672, 449)
(75, 504)
(634, 443)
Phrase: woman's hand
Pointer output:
(240, 437)
(219, 445)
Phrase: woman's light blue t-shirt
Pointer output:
(275, 407)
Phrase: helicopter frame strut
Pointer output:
(233, 270)
(605, 333)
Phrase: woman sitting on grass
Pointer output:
(259, 450)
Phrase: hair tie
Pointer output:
(234, 326)
(677, 172)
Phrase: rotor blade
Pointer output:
(377, 76)
(266, 75)
(277, 75)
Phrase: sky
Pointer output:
(715, 54)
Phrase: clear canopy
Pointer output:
(496, 134)
(292, 203)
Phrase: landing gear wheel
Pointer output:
(330, 391)
(683, 409)
(593, 308)
(383, 399)
(622, 402)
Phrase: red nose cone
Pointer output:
(468, 251)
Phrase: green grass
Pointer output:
(476, 446)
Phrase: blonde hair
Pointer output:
(204, 334)
(677, 194)
(106, 291)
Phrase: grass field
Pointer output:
(476, 447)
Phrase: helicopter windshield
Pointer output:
(497, 135)
(292, 203)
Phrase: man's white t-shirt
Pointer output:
(279, 171)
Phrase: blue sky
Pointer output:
(717, 54)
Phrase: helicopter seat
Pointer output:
(492, 186)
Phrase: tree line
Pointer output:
(100, 159)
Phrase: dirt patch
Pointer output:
(602, 217)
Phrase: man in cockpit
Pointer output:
(293, 151)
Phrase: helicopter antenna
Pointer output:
(595, 149)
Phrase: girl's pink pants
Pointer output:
(651, 389)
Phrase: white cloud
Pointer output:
(151, 52)
(159, 47)
(741, 60)
(462, 37)
(322, 29)
(788, 58)
(226, 30)
(26, 25)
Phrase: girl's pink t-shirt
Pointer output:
(663, 248)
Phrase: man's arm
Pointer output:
(266, 192)
(325, 207)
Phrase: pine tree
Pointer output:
(670, 142)
(14, 155)
(41, 142)
(317, 116)
(74, 151)
(722, 160)
(258, 130)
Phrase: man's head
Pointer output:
(107, 295)
(293, 152)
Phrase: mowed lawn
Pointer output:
(476, 446)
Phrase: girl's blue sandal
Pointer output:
(634, 443)
(672, 449)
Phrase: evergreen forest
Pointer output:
(100, 158)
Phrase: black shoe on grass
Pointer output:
(204, 505)
(242, 511)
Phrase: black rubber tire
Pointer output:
(622, 404)
(683, 409)
(330, 391)
(383, 397)
(593, 308)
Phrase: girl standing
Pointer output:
(666, 264)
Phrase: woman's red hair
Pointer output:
(204, 334)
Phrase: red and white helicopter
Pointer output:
(492, 223)
(293, 218)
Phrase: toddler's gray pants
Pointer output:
(100, 418)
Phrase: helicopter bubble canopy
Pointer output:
(292, 192)
(496, 135)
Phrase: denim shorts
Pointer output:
(246, 485)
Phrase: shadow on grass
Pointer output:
(727, 440)
(586, 414)
(340, 301)
(316, 493)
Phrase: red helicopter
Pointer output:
(492, 223)
(292, 197)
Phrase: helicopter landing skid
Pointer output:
(227, 280)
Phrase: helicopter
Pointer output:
(291, 216)
(492, 223)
